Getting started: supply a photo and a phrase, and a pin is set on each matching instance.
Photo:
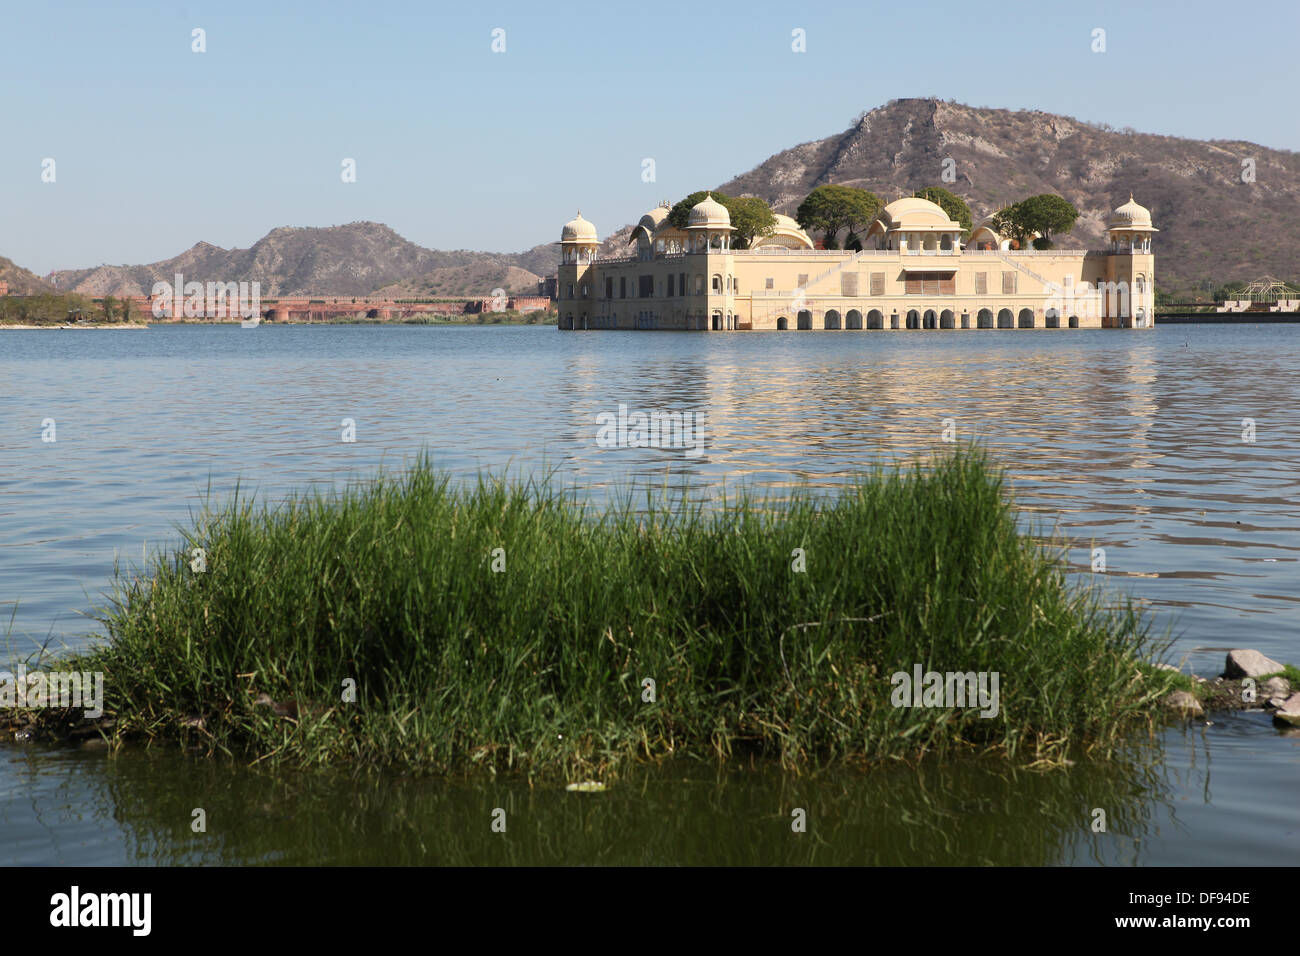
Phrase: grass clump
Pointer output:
(540, 667)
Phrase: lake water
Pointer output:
(1124, 440)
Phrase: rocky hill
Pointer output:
(474, 278)
(22, 282)
(355, 259)
(1214, 227)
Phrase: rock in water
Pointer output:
(1247, 663)
(1288, 715)
(1181, 700)
(1277, 687)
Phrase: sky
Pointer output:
(457, 146)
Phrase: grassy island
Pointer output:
(769, 626)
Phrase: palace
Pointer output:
(919, 273)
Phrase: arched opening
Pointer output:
(782, 324)
(1052, 319)
(929, 320)
(913, 319)
(717, 284)
(875, 319)
(831, 320)
(984, 319)
(1074, 321)
(929, 242)
(717, 321)
(372, 313)
(853, 320)
(946, 319)
(1004, 319)
(893, 320)
(945, 243)
(804, 320)
(1026, 318)
(568, 321)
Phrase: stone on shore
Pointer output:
(1185, 702)
(1247, 663)
(1288, 715)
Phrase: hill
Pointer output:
(354, 259)
(1214, 227)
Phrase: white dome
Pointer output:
(578, 230)
(1131, 215)
(708, 213)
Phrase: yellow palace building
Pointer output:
(919, 273)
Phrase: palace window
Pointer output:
(609, 287)
(768, 283)
(848, 283)
(981, 283)
(647, 287)
(877, 283)
(671, 277)
(803, 281)
(1008, 283)
(930, 283)
(622, 287)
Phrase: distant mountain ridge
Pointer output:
(1214, 226)
(354, 259)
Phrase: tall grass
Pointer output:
(540, 667)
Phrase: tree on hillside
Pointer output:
(952, 204)
(828, 209)
(1045, 214)
(751, 217)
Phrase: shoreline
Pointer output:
(108, 326)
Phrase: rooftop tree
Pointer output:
(950, 203)
(828, 209)
(1010, 224)
(1045, 214)
(679, 216)
(751, 217)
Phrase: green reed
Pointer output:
(540, 667)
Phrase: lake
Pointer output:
(1132, 443)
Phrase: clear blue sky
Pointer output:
(158, 147)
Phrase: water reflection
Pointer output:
(1132, 442)
(136, 807)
